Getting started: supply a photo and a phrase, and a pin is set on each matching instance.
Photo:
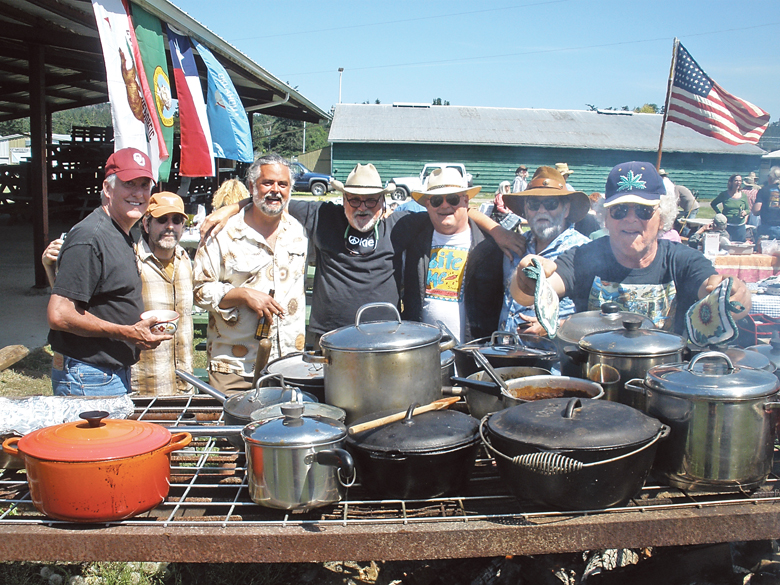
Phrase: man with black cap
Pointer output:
(96, 301)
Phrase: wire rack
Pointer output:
(209, 487)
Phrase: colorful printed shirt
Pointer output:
(510, 318)
(154, 372)
(444, 281)
(239, 256)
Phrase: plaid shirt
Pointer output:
(239, 257)
(154, 372)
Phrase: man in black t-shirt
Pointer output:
(767, 205)
(632, 267)
(96, 300)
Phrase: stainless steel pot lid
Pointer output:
(503, 344)
(749, 359)
(771, 351)
(309, 409)
(371, 336)
(610, 317)
(242, 405)
(573, 424)
(711, 375)
(632, 341)
(294, 429)
(293, 368)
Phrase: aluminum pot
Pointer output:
(506, 350)
(573, 454)
(632, 351)
(296, 461)
(420, 457)
(381, 365)
(299, 373)
(722, 421)
(97, 469)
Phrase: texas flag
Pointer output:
(197, 156)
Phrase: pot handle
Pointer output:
(483, 386)
(340, 459)
(449, 343)
(367, 306)
(9, 446)
(504, 337)
(265, 377)
(709, 354)
(552, 463)
(575, 354)
(768, 407)
(311, 357)
(178, 441)
(636, 385)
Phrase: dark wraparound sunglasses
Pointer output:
(452, 198)
(643, 212)
(355, 202)
(549, 203)
(176, 218)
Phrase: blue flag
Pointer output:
(230, 132)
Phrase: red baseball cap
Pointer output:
(129, 164)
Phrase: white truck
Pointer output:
(405, 185)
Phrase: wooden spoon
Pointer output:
(439, 404)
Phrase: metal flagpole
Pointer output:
(666, 104)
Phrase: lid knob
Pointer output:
(610, 308)
(93, 417)
(292, 410)
(632, 324)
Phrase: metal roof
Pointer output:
(613, 130)
(75, 74)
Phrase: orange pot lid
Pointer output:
(96, 438)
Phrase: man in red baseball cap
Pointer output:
(96, 300)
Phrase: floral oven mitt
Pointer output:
(709, 321)
(546, 301)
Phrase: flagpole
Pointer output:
(666, 104)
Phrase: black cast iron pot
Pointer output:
(420, 457)
(573, 454)
(506, 350)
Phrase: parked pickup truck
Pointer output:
(305, 180)
(405, 185)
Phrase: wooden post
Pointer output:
(38, 176)
(666, 104)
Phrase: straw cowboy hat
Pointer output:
(443, 182)
(363, 180)
(548, 182)
(750, 181)
(563, 168)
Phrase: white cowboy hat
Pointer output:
(363, 180)
(443, 182)
(563, 168)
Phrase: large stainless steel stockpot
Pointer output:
(722, 420)
(381, 365)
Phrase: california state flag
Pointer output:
(128, 90)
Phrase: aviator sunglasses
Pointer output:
(452, 198)
(643, 212)
(163, 219)
(355, 202)
(549, 203)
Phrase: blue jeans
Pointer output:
(737, 233)
(77, 378)
(773, 231)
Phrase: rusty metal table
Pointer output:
(208, 517)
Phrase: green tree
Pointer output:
(285, 137)
(648, 109)
(440, 102)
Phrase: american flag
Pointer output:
(698, 102)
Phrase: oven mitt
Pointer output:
(546, 301)
(709, 321)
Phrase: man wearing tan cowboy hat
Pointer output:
(565, 171)
(452, 270)
(551, 210)
(96, 301)
(357, 260)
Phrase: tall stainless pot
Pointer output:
(722, 421)
(381, 365)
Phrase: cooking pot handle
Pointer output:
(449, 343)
(9, 446)
(178, 441)
(769, 406)
(709, 354)
(501, 338)
(552, 463)
(342, 460)
(367, 306)
(575, 354)
(311, 357)
(636, 385)
(262, 379)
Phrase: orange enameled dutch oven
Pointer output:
(97, 469)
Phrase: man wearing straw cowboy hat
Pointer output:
(551, 210)
(357, 262)
(452, 270)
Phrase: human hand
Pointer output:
(261, 303)
(141, 334)
(510, 242)
(533, 328)
(217, 220)
(51, 252)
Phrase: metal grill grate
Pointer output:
(208, 487)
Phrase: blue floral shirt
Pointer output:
(510, 318)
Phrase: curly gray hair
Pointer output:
(253, 173)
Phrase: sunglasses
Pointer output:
(452, 198)
(175, 218)
(355, 202)
(643, 212)
(549, 203)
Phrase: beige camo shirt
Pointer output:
(238, 256)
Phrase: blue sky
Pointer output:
(558, 54)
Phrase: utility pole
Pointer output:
(341, 70)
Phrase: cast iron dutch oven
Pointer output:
(573, 454)
(97, 469)
(419, 457)
(507, 350)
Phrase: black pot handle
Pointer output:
(340, 459)
(483, 386)
(410, 413)
(571, 406)
(575, 354)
